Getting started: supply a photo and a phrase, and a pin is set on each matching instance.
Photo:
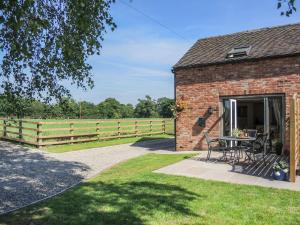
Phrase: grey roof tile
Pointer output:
(265, 42)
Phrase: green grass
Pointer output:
(97, 144)
(130, 193)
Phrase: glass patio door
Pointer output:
(274, 120)
(229, 116)
(233, 115)
(262, 113)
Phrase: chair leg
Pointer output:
(208, 154)
(264, 158)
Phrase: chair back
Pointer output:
(208, 140)
(260, 142)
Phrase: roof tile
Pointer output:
(265, 42)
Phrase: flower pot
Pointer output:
(286, 175)
(280, 175)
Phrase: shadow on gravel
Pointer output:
(167, 144)
(27, 176)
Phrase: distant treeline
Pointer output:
(69, 108)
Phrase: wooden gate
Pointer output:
(294, 136)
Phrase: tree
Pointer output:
(146, 108)
(110, 108)
(69, 108)
(165, 106)
(287, 7)
(45, 43)
(19, 107)
(88, 109)
(127, 111)
(38, 110)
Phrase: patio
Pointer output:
(219, 170)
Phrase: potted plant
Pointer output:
(237, 133)
(280, 170)
(179, 106)
(278, 148)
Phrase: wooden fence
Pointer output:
(294, 136)
(45, 133)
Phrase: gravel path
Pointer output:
(29, 175)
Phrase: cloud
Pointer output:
(133, 63)
(144, 47)
(133, 70)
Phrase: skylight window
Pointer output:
(239, 52)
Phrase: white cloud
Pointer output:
(133, 63)
(143, 47)
(132, 70)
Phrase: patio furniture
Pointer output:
(251, 132)
(211, 143)
(236, 149)
(258, 148)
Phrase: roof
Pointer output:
(266, 42)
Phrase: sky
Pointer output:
(152, 35)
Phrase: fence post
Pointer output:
(164, 127)
(150, 127)
(38, 134)
(4, 128)
(71, 132)
(97, 130)
(136, 128)
(119, 133)
(293, 138)
(20, 129)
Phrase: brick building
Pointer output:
(243, 80)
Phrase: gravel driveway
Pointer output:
(29, 175)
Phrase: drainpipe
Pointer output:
(175, 130)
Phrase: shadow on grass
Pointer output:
(152, 138)
(113, 203)
(152, 144)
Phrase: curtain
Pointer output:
(276, 103)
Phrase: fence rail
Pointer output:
(45, 133)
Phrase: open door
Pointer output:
(233, 115)
(229, 116)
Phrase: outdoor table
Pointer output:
(241, 139)
(237, 139)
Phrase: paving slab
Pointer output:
(198, 168)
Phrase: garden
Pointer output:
(131, 193)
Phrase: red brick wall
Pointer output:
(203, 86)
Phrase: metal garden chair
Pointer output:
(258, 148)
(215, 145)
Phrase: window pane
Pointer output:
(275, 119)
(233, 107)
(226, 117)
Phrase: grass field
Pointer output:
(130, 193)
(106, 128)
(97, 144)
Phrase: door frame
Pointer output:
(259, 96)
(231, 102)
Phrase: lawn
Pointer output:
(130, 193)
(98, 144)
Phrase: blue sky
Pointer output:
(137, 58)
